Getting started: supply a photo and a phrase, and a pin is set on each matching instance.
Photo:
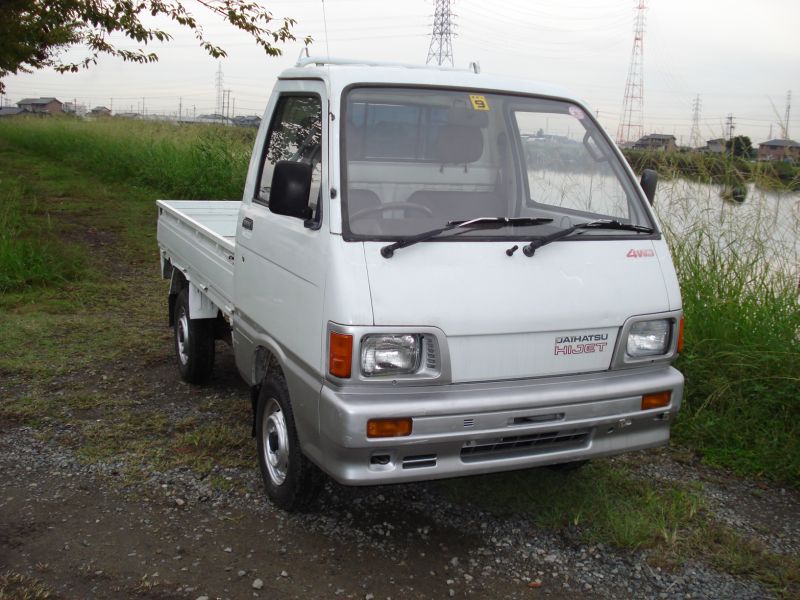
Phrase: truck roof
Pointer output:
(340, 73)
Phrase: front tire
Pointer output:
(291, 480)
(194, 342)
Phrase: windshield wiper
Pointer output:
(489, 222)
(531, 248)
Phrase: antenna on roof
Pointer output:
(325, 22)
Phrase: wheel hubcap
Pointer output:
(276, 442)
(182, 337)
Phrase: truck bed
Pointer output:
(199, 238)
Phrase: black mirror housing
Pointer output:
(291, 186)
(648, 183)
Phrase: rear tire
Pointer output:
(194, 342)
(291, 480)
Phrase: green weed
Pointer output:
(29, 255)
(180, 161)
(600, 503)
(741, 358)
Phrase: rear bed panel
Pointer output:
(199, 238)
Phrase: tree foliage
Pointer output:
(34, 33)
(740, 145)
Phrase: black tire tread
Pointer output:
(304, 479)
(199, 367)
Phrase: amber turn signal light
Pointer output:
(340, 349)
(657, 400)
(381, 428)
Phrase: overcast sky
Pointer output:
(738, 56)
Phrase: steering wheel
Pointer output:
(365, 212)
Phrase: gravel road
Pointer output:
(87, 530)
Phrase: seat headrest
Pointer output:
(459, 144)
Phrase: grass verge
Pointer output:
(29, 255)
(602, 503)
(741, 358)
(180, 161)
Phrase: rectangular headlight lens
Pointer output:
(390, 354)
(648, 338)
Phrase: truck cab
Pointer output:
(431, 273)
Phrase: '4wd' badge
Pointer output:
(581, 344)
(633, 253)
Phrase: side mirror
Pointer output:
(648, 183)
(291, 186)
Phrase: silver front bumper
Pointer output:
(469, 429)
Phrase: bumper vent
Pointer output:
(420, 461)
(524, 445)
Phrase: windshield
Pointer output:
(418, 159)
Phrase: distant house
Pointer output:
(100, 111)
(212, 118)
(657, 141)
(247, 121)
(779, 150)
(51, 106)
(716, 146)
(10, 111)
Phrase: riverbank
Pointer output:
(716, 168)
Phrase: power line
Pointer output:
(694, 136)
(441, 48)
(630, 123)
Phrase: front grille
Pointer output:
(523, 445)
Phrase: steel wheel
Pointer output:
(290, 479)
(276, 442)
(194, 342)
(182, 337)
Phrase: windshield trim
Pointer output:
(626, 174)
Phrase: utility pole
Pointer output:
(144, 110)
(441, 47)
(111, 108)
(631, 123)
(694, 137)
(220, 98)
(730, 125)
(180, 109)
(788, 112)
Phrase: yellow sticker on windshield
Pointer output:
(479, 102)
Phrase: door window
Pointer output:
(295, 135)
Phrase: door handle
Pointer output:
(248, 223)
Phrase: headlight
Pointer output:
(648, 338)
(390, 354)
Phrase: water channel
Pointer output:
(767, 221)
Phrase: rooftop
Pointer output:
(37, 100)
(340, 73)
(781, 142)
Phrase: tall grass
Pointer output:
(742, 356)
(29, 255)
(179, 161)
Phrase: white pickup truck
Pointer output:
(431, 273)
